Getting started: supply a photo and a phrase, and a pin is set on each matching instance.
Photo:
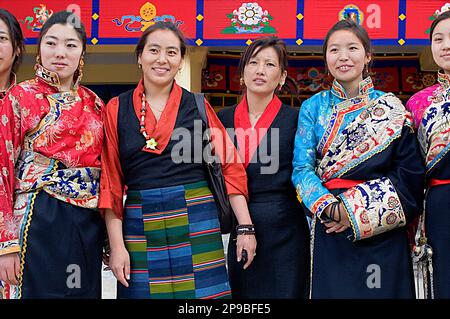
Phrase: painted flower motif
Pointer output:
(250, 13)
(249, 18)
(151, 144)
(444, 8)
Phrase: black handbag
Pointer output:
(214, 174)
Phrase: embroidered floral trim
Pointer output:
(10, 246)
(337, 118)
(365, 87)
(319, 206)
(444, 80)
(434, 133)
(373, 207)
(371, 132)
(52, 78)
(78, 186)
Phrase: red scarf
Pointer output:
(160, 130)
(248, 139)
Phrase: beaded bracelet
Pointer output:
(248, 229)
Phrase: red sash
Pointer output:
(436, 182)
(341, 183)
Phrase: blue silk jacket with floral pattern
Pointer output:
(337, 134)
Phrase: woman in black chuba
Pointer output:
(264, 131)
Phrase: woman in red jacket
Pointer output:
(57, 232)
(11, 52)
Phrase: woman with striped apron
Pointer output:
(166, 241)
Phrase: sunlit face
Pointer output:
(346, 57)
(262, 73)
(6, 50)
(440, 45)
(61, 50)
(161, 58)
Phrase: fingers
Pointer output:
(127, 270)
(251, 256)
(329, 224)
(340, 230)
(334, 228)
(120, 275)
(17, 266)
(13, 271)
(247, 242)
(121, 270)
(239, 247)
(10, 269)
(11, 276)
(3, 276)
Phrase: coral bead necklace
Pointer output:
(150, 142)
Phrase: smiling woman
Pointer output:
(57, 228)
(171, 248)
(357, 170)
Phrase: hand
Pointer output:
(119, 263)
(247, 242)
(337, 227)
(10, 268)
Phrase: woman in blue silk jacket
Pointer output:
(358, 171)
